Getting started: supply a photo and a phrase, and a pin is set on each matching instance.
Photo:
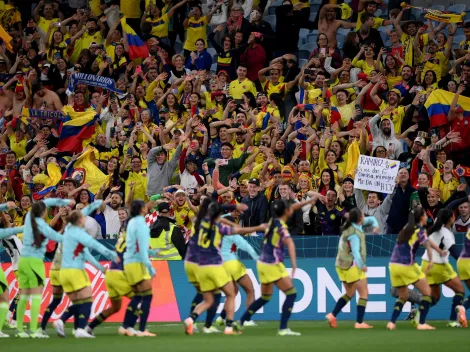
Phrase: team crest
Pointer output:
(79, 175)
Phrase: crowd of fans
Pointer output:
(227, 102)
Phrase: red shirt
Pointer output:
(462, 126)
(255, 59)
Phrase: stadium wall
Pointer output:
(316, 282)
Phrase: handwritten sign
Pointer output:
(376, 174)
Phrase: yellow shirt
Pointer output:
(18, 147)
(130, 9)
(237, 88)
(363, 65)
(140, 180)
(95, 7)
(464, 45)
(378, 22)
(9, 15)
(439, 64)
(347, 112)
(408, 51)
(196, 29)
(87, 39)
(159, 26)
(446, 189)
(269, 88)
(44, 24)
(184, 215)
(398, 114)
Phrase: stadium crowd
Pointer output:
(253, 100)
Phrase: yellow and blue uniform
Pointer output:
(115, 279)
(211, 273)
(403, 268)
(463, 263)
(197, 29)
(191, 260)
(159, 26)
(270, 264)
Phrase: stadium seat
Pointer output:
(302, 62)
(312, 17)
(343, 31)
(340, 41)
(304, 54)
(211, 51)
(214, 59)
(178, 47)
(271, 19)
(457, 8)
(438, 7)
(459, 38)
(214, 67)
(312, 38)
(303, 35)
(308, 46)
(417, 13)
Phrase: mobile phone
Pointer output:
(129, 151)
(309, 71)
(331, 81)
(223, 162)
(56, 56)
(193, 145)
(388, 49)
(138, 124)
(113, 131)
(119, 120)
(239, 101)
(138, 70)
(323, 51)
(190, 190)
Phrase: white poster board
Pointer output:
(376, 174)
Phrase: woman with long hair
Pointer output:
(4, 294)
(211, 274)
(73, 276)
(463, 267)
(271, 269)
(351, 265)
(404, 270)
(442, 272)
(31, 271)
(138, 267)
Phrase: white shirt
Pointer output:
(187, 180)
(92, 227)
(113, 225)
(444, 239)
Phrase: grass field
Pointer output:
(316, 336)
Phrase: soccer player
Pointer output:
(31, 271)
(137, 268)
(405, 271)
(73, 276)
(351, 265)
(441, 271)
(236, 269)
(4, 295)
(463, 267)
(211, 274)
(271, 269)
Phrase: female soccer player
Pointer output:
(463, 267)
(405, 271)
(211, 274)
(271, 269)
(441, 271)
(137, 266)
(351, 265)
(4, 295)
(73, 277)
(31, 271)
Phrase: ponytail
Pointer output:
(136, 209)
(201, 214)
(214, 210)
(278, 208)
(355, 215)
(443, 217)
(37, 210)
(413, 219)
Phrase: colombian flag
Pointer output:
(137, 48)
(75, 128)
(6, 38)
(438, 106)
(55, 175)
(84, 170)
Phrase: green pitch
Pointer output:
(316, 337)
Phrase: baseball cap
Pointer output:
(420, 140)
(348, 179)
(163, 110)
(180, 191)
(164, 207)
(254, 181)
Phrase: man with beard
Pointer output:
(436, 60)
(45, 98)
(295, 223)
(166, 236)
(406, 158)
(49, 11)
(407, 81)
(330, 215)
(393, 98)
(110, 209)
(398, 215)
(382, 133)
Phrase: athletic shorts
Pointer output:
(74, 280)
(235, 268)
(404, 275)
(31, 273)
(463, 267)
(54, 277)
(117, 284)
(191, 270)
(136, 273)
(439, 273)
(269, 273)
(351, 275)
(212, 277)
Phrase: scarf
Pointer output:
(234, 25)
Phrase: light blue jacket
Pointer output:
(355, 241)
(5, 233)
(29, 249)
(76, 242)
(227, 245)
(138, 243)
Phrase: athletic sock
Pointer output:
(212, 311)
(223, 314)
(69, 312)
(342, 301)
(291, 295)
(145, 308)
(21, 310)
(35, 307)
(254, 307)
(196, 300)
(194, 316)
(49, 310)
(228, 323)
(424, 308)
(466, 303)
(361, 310)
(456, 301)
(397, 310)
(97, 321)
(131, 312)
(3, 313)
(84, 313)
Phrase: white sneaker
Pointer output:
(288, 332)
(59, 327)
(82, 334)
(39, 334)
(211, 330)
(249, 323)
(3, 335)
(89, 330)
(126, 332)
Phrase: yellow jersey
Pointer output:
(197, 29)
(397, 116)
(159, 26)
(237, 88)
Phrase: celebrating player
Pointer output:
(351, 265)
(463, 267)
(405, 271)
